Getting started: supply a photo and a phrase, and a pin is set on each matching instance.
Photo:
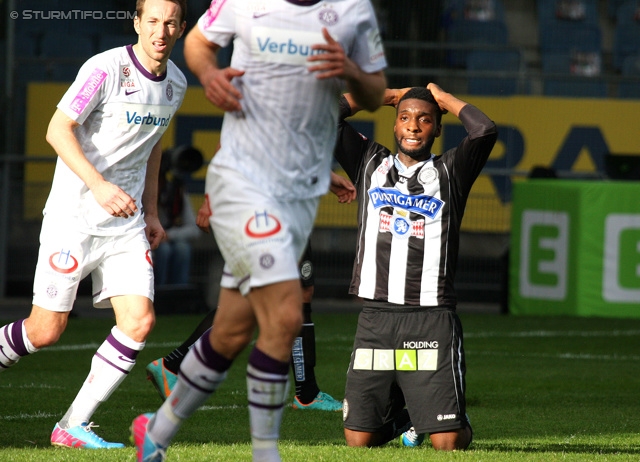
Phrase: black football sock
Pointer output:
(173, 360)
(303, 360)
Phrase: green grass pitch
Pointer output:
(538, 389)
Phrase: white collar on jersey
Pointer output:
(405, 171)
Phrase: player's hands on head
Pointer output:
(219, 90)
(333, 61)
(437, 93)
(392, 96)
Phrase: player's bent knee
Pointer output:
(358, 439)
(451, 441)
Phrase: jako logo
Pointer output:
(63, 262)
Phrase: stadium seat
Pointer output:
(573, 75)
(509, 61)
(627, 12)
(109, 41)
(565, 37)
(626, 40)
(629, 86)
(474, 34)
(65, 52)
(552, 12)
(612, 8)
(474, 10)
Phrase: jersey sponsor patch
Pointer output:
(376, 359)
(63, 262)
(87, 91)
(262, 225)
(401, 226)
(212, 12)
(145, 117)
(422, 204)
(283, 46)
(126, 79)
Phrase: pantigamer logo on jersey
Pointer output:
(423, 204)
(146, 117)
(282, 46)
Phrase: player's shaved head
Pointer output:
(181, 3)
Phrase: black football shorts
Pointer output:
(411, 356)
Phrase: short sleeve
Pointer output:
(368, 51)
(217, 24)
(87, 91)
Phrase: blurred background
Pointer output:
(561, 78)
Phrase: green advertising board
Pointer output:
(575, 248)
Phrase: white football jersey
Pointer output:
(123, 110)
(283, 138)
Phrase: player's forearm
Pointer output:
(61, 137)
(150, 193)
(367, 91)
(391, 96)
(199, 53)
(445, 100)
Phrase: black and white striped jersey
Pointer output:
(409, 218)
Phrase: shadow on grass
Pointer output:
(574, 448)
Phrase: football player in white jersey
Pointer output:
(101, 215)
(290, 63)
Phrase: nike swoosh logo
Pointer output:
(122, 358)
(259, 15)
(127, 92)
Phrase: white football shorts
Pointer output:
(261, 238)
(119, 265)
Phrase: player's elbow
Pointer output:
(371, 94)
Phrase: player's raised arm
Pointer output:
(200, 55)
(367, 89)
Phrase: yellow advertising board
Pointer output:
(566, 134)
